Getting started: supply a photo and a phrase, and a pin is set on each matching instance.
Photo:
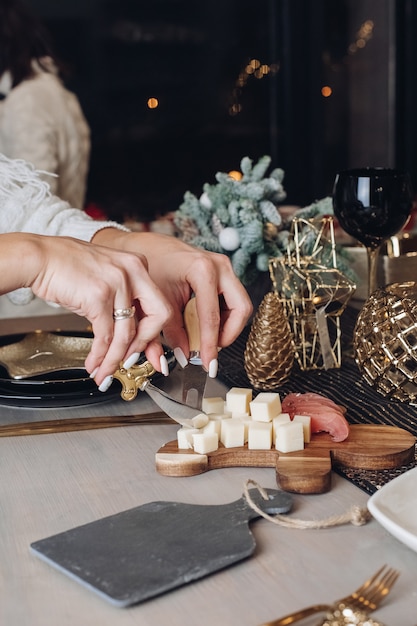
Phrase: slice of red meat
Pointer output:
(326, 415)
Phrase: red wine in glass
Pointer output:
(372, 205)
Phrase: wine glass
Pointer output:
(372, 205)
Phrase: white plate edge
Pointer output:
(394, 527)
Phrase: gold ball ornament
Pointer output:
(270, 231)
(385, 341)
(269, 351)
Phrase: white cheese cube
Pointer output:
(185, 437)
(246, 421)
(260, 435)
(232, 433)
(204, 443)
(237, 400)
(219, 416)
(224, 415)
(213, 426)
(265, 406)
(306, 422)
(200, 420)
(213, 405)
(290, 437)
(282, 418)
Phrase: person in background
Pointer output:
(40, 120)
(177, 269)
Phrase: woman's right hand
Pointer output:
(92, 281)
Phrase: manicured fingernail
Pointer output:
(164, 365)
(180, 356)
(213, 368)
(131, 360)
(93, 373)
(106, 383)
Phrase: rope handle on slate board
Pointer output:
(356, 515)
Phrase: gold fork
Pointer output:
(367, 598)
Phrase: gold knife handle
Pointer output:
(133, 378)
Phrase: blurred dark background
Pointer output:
(320, 85)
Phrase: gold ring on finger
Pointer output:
(123, 314)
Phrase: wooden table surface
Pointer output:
(50, 483)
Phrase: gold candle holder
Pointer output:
(313, 291)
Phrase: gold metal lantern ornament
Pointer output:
(299, 320)
(313, 291)
(385, 341)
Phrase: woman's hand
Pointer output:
(92, 281)
(179, 270)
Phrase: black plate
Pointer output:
(79, 392)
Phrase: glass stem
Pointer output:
(373, 256)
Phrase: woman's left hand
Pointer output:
(223, 305)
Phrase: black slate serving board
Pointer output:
(143, 552)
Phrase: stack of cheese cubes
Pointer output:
(241, 420)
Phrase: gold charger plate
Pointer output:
(40, 353)
(46, 369)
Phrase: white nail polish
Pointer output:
(94, 372)
(106, 383)
(181, 358)
(213, 367)
(164, 365)
(131, 360)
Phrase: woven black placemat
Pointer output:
(344, 385)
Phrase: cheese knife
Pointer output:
(138, 377)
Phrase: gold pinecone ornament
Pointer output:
(269, 352)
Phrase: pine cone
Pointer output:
(269, 352)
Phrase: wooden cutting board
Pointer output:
(368, 447)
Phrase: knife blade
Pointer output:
(179, 412)
(194, 376)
